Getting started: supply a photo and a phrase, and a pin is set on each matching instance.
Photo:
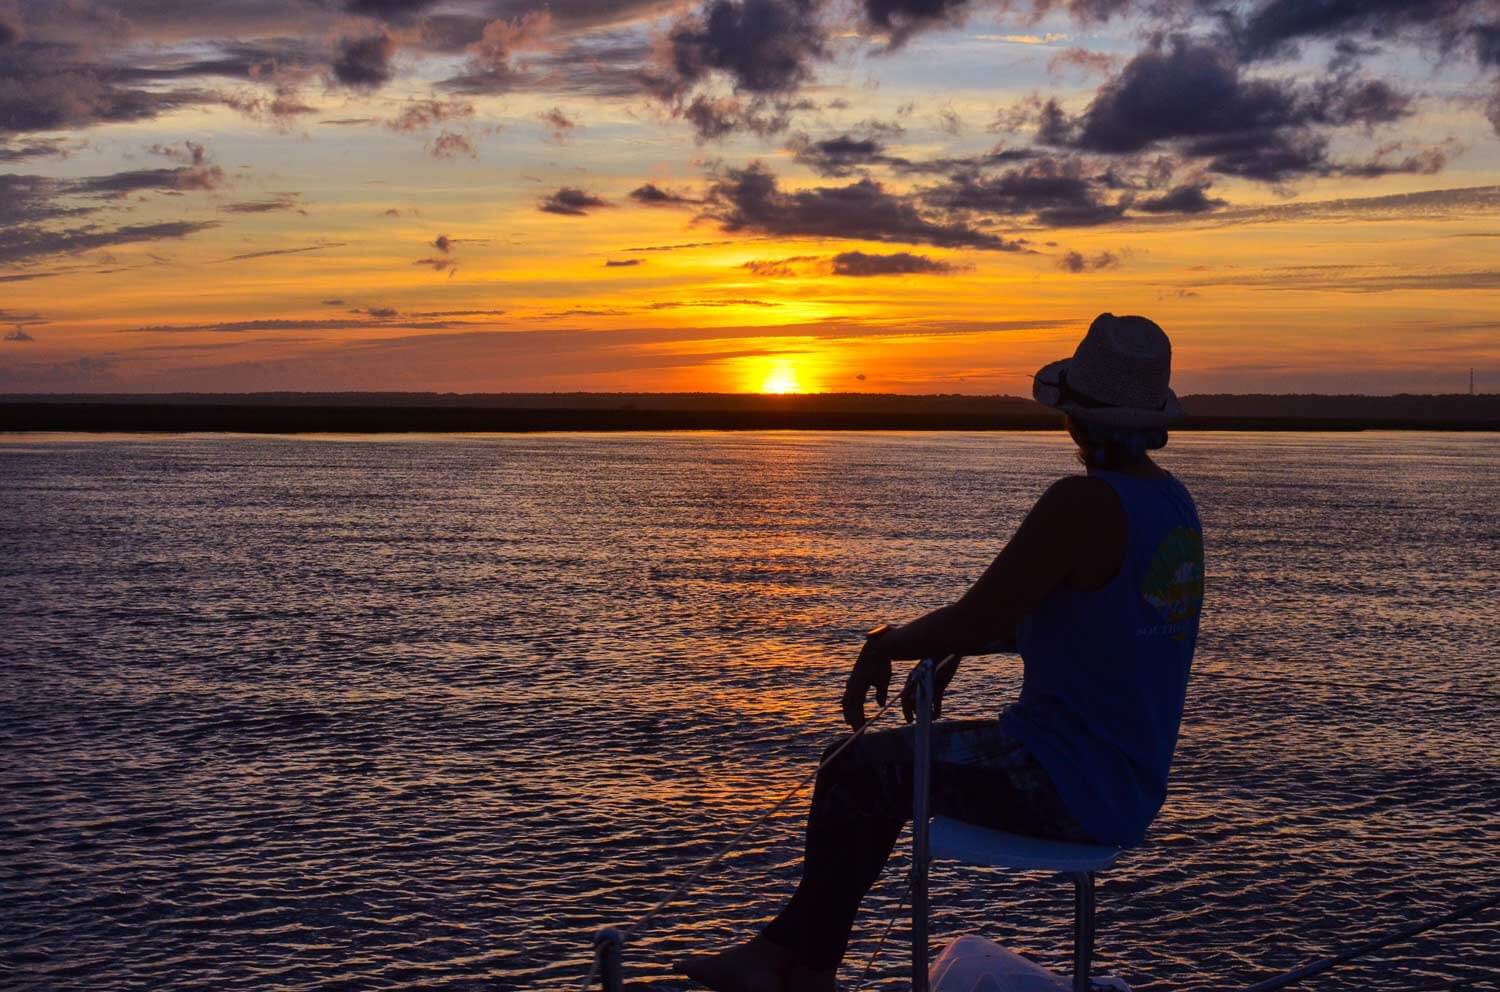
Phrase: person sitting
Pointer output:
(1100, 591)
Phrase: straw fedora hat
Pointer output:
(1118, 376)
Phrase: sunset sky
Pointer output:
(886, 195)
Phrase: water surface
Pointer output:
(423, 712)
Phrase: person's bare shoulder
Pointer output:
(1083, 519)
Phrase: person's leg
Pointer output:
(857, 813)
(861, 802)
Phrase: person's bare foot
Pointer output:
(754, 966)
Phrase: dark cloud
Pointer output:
(571, 202)
(364, 62)
(652, 195)
(623, 263)
(50, 88)
(898, 20)
(842, 155)
(441, 263)
(763, 50)
(282, 201)
(24, 244)
(1188, 198)
(1075, 261)
(390, 10)
(762, 46)
(750, 200)
(857, 263)
(1055, 192)
(1191, 96)
(1191, 89)
(182, 179)
(19, 334)
(443, 243)
(716, 117)
(1274, 27)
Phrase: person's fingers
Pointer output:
(854, 708)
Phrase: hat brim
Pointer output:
(1046, 389)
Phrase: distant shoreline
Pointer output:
(340, 418)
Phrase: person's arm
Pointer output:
(1074, 535)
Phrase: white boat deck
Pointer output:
(973, 964)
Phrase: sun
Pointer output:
(781, 379)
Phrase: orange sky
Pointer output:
(389, 233)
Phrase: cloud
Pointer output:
(281, 108)
(1067, 191)
(1276, 26)
(1342, 279)
(372, 317)
(51, 88)
(1188, 198)
(19, 334)
(443, 243)
(281, 201)
(23, 244)
(842, 155)
(750, 200)
(364, 62)
(1074, 261)
(570, 201)
(39, 148)
(764, 51)
(439, 264)
(857, 263)
(1191, 95)
(652, 195)
(621, 263)
(559, 124)
(419, 115)
(284, 251)
(684, 304)
(778, 267)
(490, 68)
(449, 145)
(390, 10)
(762, 46)
(898, 20)
(682, 246)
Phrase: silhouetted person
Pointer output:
(1099, 591)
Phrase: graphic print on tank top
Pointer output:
(1173, 583)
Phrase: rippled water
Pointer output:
(423, 712)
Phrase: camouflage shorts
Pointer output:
(979, 774)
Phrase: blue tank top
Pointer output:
(1106, 671)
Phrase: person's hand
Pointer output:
(940, 680)
(872, 668)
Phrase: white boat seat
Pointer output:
(955, 840)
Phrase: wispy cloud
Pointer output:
(266, 253)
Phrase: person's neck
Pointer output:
(1143, 469)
